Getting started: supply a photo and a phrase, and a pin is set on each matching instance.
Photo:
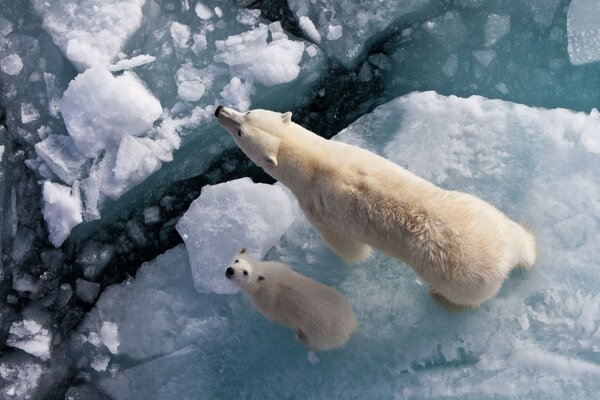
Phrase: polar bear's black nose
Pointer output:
(218, 111)
(229, 272)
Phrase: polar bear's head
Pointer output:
(245, 272)
(257, 133)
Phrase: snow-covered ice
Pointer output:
(62, 211)
(31, 337)
(583, 28)
(226, 218)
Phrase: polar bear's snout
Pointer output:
(218, 111)
(229, 272)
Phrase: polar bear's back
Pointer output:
(319, 314)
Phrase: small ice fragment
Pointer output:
(100, 362)
(200, 44)
(218, 12)
(86, 290)
(31, 337)
(485, 57)
(62, 211)
(237, 94)
(202, 11)
(11, 64)
(496, 27)
(334, 32)
(132, 62)
(310, 30)
(1, 152)
(583, 31)
(450, 66)
(109, 332)
(502, 88)
(191, 83)
(180, 34)
(28, 113)
(152, 215)
(312, 50)
(312, 357)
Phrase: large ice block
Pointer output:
(224, 219)
(90, 32)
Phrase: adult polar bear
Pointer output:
(460, 245)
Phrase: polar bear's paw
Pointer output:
(447, 304)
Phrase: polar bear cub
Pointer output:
(463, 247)
(319, 315)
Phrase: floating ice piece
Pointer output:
(5, 27)
(583, 30)
(227, 217)
(61, 156)
(192, 82)
(99, 109)
(180, 34)
(109, 334)
(485, 57)
(62, 211)
(21, 378)
(237, 94)
(448, 30)
(11, 64)
(133, 62)
(345, 28)
(31, 337)
(496, 27)
(542, 11)
(202, 11)
(90, 32)
(309, 29)
(86, 290)
(251, 55)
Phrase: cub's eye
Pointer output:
(237, 261)
(240, 132)
(245, 272)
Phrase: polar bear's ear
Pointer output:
(272, 160)
(286, 117)
(243, 250)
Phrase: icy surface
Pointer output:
(343, 29)
(538, 338)
(226, 218)
(90, 32)
(583, 28)
(31, 337)
(62, 211)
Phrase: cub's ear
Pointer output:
(272, 160)
(243, 250)
(286, 117)
(261, 278)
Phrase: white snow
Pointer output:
(251, 55)
(99, 109)
(61, 210)
(583, 30)
(11, 64)
(591, 133)
(227, 217)
(31, 337)
(309, 29)
(133, 62)
(496, 28)
(90, 32)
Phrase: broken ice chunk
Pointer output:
(583, 30)
(152, 215)
(252, 56)
(237, 94)
(334, 32)
(100, 109)
(180, 34)
(132, 62)
(100, 362)
(61, 156)
(448, 30)
(485, 57)
(496, 27)
(309, 29)
(11, 64)
(255, 216)
(31, 337)
(86, 290)
(191, 83)
(202, 11)
(28, 113)
(90, 32)
(109, 333)
(591, 134)
(21, 376)
(62, 211)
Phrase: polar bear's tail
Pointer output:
(528, 252)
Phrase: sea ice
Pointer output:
(583, 29)
(496, 27)
(227, 217)
(90, 32)
(61, 156)
(133, 62)
(344, 29)
(30, 336)
(99, 109)
(11, 64)
(62, 210)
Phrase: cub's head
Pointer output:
(244, 272)
(256, 132)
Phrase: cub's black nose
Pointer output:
(229, 272)
(218, 111)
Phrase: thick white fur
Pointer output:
(319, 315)
(460, 245)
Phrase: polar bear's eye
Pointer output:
(239, 132)
(245, 272)
(237, 261)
